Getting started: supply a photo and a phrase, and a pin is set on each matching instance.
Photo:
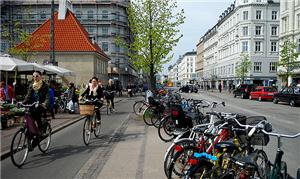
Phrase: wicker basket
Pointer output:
(86, 109)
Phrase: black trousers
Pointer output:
(111, 99)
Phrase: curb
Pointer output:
(6, 154)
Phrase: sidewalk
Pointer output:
(60, 122)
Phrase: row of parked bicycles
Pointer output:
(207, 143)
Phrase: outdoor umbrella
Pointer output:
(59, 70)
(8, 63)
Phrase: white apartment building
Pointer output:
(248, 26)
(290, 28)
(187, 67)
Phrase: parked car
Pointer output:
(263, 93)
(243, 90)
(290, 95)
(189, 88)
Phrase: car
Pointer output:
(290, 95)
(243, 90)
(262, 93)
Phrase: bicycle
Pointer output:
(88, 109)
(279, 168)
(28, 136)
(139, 107)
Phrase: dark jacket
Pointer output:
(98, 96)
(111, 91)
(72, 94)
(43, 95)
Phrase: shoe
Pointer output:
(98, 121)
(112, 110)
(30, 148)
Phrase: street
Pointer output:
(129, 149)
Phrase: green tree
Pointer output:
(243, 67)
(154, 27)
(288, 59)
(27, 42)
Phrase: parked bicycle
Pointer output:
(91, 123)
(29, 136)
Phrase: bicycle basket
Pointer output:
(258, 138)
(86, 109)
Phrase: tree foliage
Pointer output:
(154, 27)
(243, 67)
(288, 59)
(20, 36)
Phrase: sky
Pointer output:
(201, 15)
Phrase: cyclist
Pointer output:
(38, 92)
(93, 91)
(110, 88)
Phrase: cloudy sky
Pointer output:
(200, 15)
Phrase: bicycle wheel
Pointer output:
(171, 152)
(108, 106)
(166, 128)
(19, 148)
(139, 107)
(97, 128)
(155, 120)
(148, 114)
(61, 107)
(46, 138)
(179, 163)
(263, 165)
(87, 129)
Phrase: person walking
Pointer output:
(220, 87)
(72, 97)
(111, 89)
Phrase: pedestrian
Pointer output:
(129, 89)
(51, 98)
(220, 87)
(230, 87)
(111, 89)
(72, 98)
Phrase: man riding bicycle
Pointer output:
(94, 91)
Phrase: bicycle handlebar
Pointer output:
(281, 135)
(36, 104)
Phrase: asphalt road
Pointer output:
(68, 157)
(284, 119)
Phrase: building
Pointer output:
(103, 20)
(200, 61)
(73, 48)
(187, 68)
(250, 27)
(290, 29)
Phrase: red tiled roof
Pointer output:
(70, 36)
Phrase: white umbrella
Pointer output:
(8, 63)
(59, 70)
(43, 69)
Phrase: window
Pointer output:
(90, 15)
(117, 17)
(78, 14)
(284, 24)
(245, 46)
(274, 15)
(258, 14)
(43, 15)
(104, 30)
(257, 30)
(105, 46)
(117, 48)
(273, 46)
(104, 14)
(258, 0)
(31, 15)
(257, 66)
(245, 1)
(245, 15)
(245, 31)
(274, 30)
(298, 21)
(90, 29)
(258, 47)
(19, 16)
(273, 66)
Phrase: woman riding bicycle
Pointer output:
(38, 92)
(93, 92)
(111, 93)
